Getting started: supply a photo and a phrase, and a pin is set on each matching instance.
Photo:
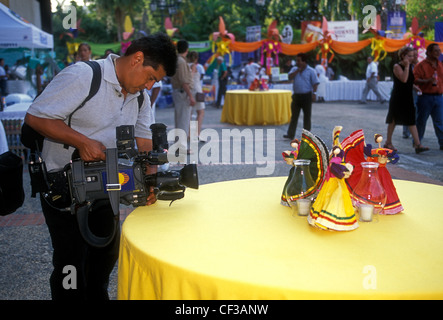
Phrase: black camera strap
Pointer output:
(78, 181)
(113, 188)
(82, 212)
(113, 185)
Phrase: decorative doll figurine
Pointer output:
(384, 156)
(355, 151)
(289, 157)
(310, 148)
(255, 85)
(333, 210)
(264, 84)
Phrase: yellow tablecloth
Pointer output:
(233, 240)
(244, 107)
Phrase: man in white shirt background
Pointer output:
(251, 71)
(371, 82)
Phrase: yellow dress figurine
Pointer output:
(333, 210)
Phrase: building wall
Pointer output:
(27, 9)
(37, 12)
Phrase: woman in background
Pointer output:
(84, 52)
(199, 107)
(401, 105)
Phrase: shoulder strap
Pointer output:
(95, 85)
(140, 99)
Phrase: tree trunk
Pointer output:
(119, 19)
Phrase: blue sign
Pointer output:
(396, 25)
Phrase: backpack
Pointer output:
(12, 194)
(34, 140)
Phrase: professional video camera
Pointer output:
(92, 181)
(122, 178)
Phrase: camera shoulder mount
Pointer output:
(80, 206)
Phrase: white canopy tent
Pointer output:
(15, 32)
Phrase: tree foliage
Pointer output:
(197, 19)
(92, 28)
(427, 13)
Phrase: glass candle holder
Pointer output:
(300, 186)
(369, 196)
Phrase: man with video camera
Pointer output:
(90, 131)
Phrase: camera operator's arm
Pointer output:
(55, 129)
(145, 145)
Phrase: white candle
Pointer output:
(303, 206)
(366, 211)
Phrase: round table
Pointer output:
(244, 107)
(234, 240)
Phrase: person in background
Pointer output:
(200, 70)
(84, 52)
(182, 95)
(429, 78)
(222, 71)
(371, 82)
(287, 66)
(304, 86)
(321, 75)
(107, 53)
(415, 93)
(199, 107)
(251, 71)
(222, 80)
(330, 74)
(153, 95)
(401, 105)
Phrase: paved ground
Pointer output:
(25, 247)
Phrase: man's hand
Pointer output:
(145, 145)
(151, 197)
(293, 74)
(92, 151)
(192, 101)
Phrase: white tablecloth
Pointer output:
(352, 90)
(15, 111)
(347, 90)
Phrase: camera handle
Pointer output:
(112, 186)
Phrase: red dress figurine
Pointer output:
(355, 151)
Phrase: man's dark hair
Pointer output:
(303, 57)
(429, 48)
(182, 46)
(157, 49)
